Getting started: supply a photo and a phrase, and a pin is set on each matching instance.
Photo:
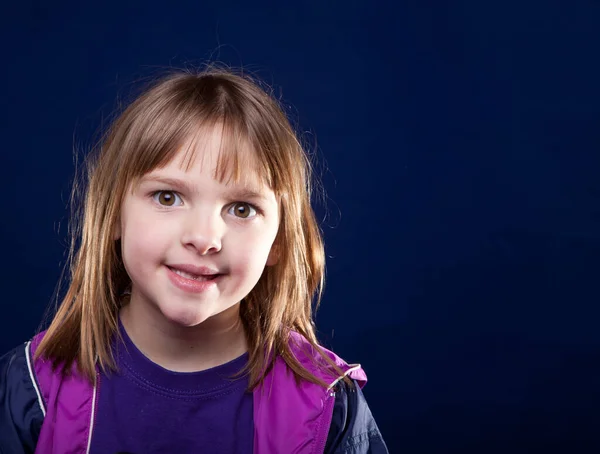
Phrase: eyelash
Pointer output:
(256, 209)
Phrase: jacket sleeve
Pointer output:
(21, 415)
(353, 429)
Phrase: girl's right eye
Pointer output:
(167, 198)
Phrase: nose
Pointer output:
(203, 232)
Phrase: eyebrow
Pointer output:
(233, 193)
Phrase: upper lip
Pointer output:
(195, 270)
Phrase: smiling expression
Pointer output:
(194, 246)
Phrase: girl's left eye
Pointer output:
(242, 210)
(167, 198)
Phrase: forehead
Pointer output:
(229, 157)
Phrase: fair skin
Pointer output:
(222, 233)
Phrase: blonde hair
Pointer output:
(146, 136)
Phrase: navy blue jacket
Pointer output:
(353, 429)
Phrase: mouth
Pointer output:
(194, 277)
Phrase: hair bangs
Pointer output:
(180, 125)
(239, 161)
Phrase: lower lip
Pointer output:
(191, 285)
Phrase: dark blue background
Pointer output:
(462, 156)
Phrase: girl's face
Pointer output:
(193, 246)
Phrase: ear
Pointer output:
(273, 257)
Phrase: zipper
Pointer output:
(94, 412)
(323, 430)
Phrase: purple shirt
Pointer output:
(146, 409)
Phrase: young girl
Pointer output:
(187, 325)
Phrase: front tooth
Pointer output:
(186, 275)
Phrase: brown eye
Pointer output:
(243, 210)
(166, 198)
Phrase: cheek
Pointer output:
(250, 253)
(142, 240)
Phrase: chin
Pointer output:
(186, 318)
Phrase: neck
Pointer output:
(216, 341)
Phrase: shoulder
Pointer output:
(313, 361)
(21, 406)
(353, 428)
